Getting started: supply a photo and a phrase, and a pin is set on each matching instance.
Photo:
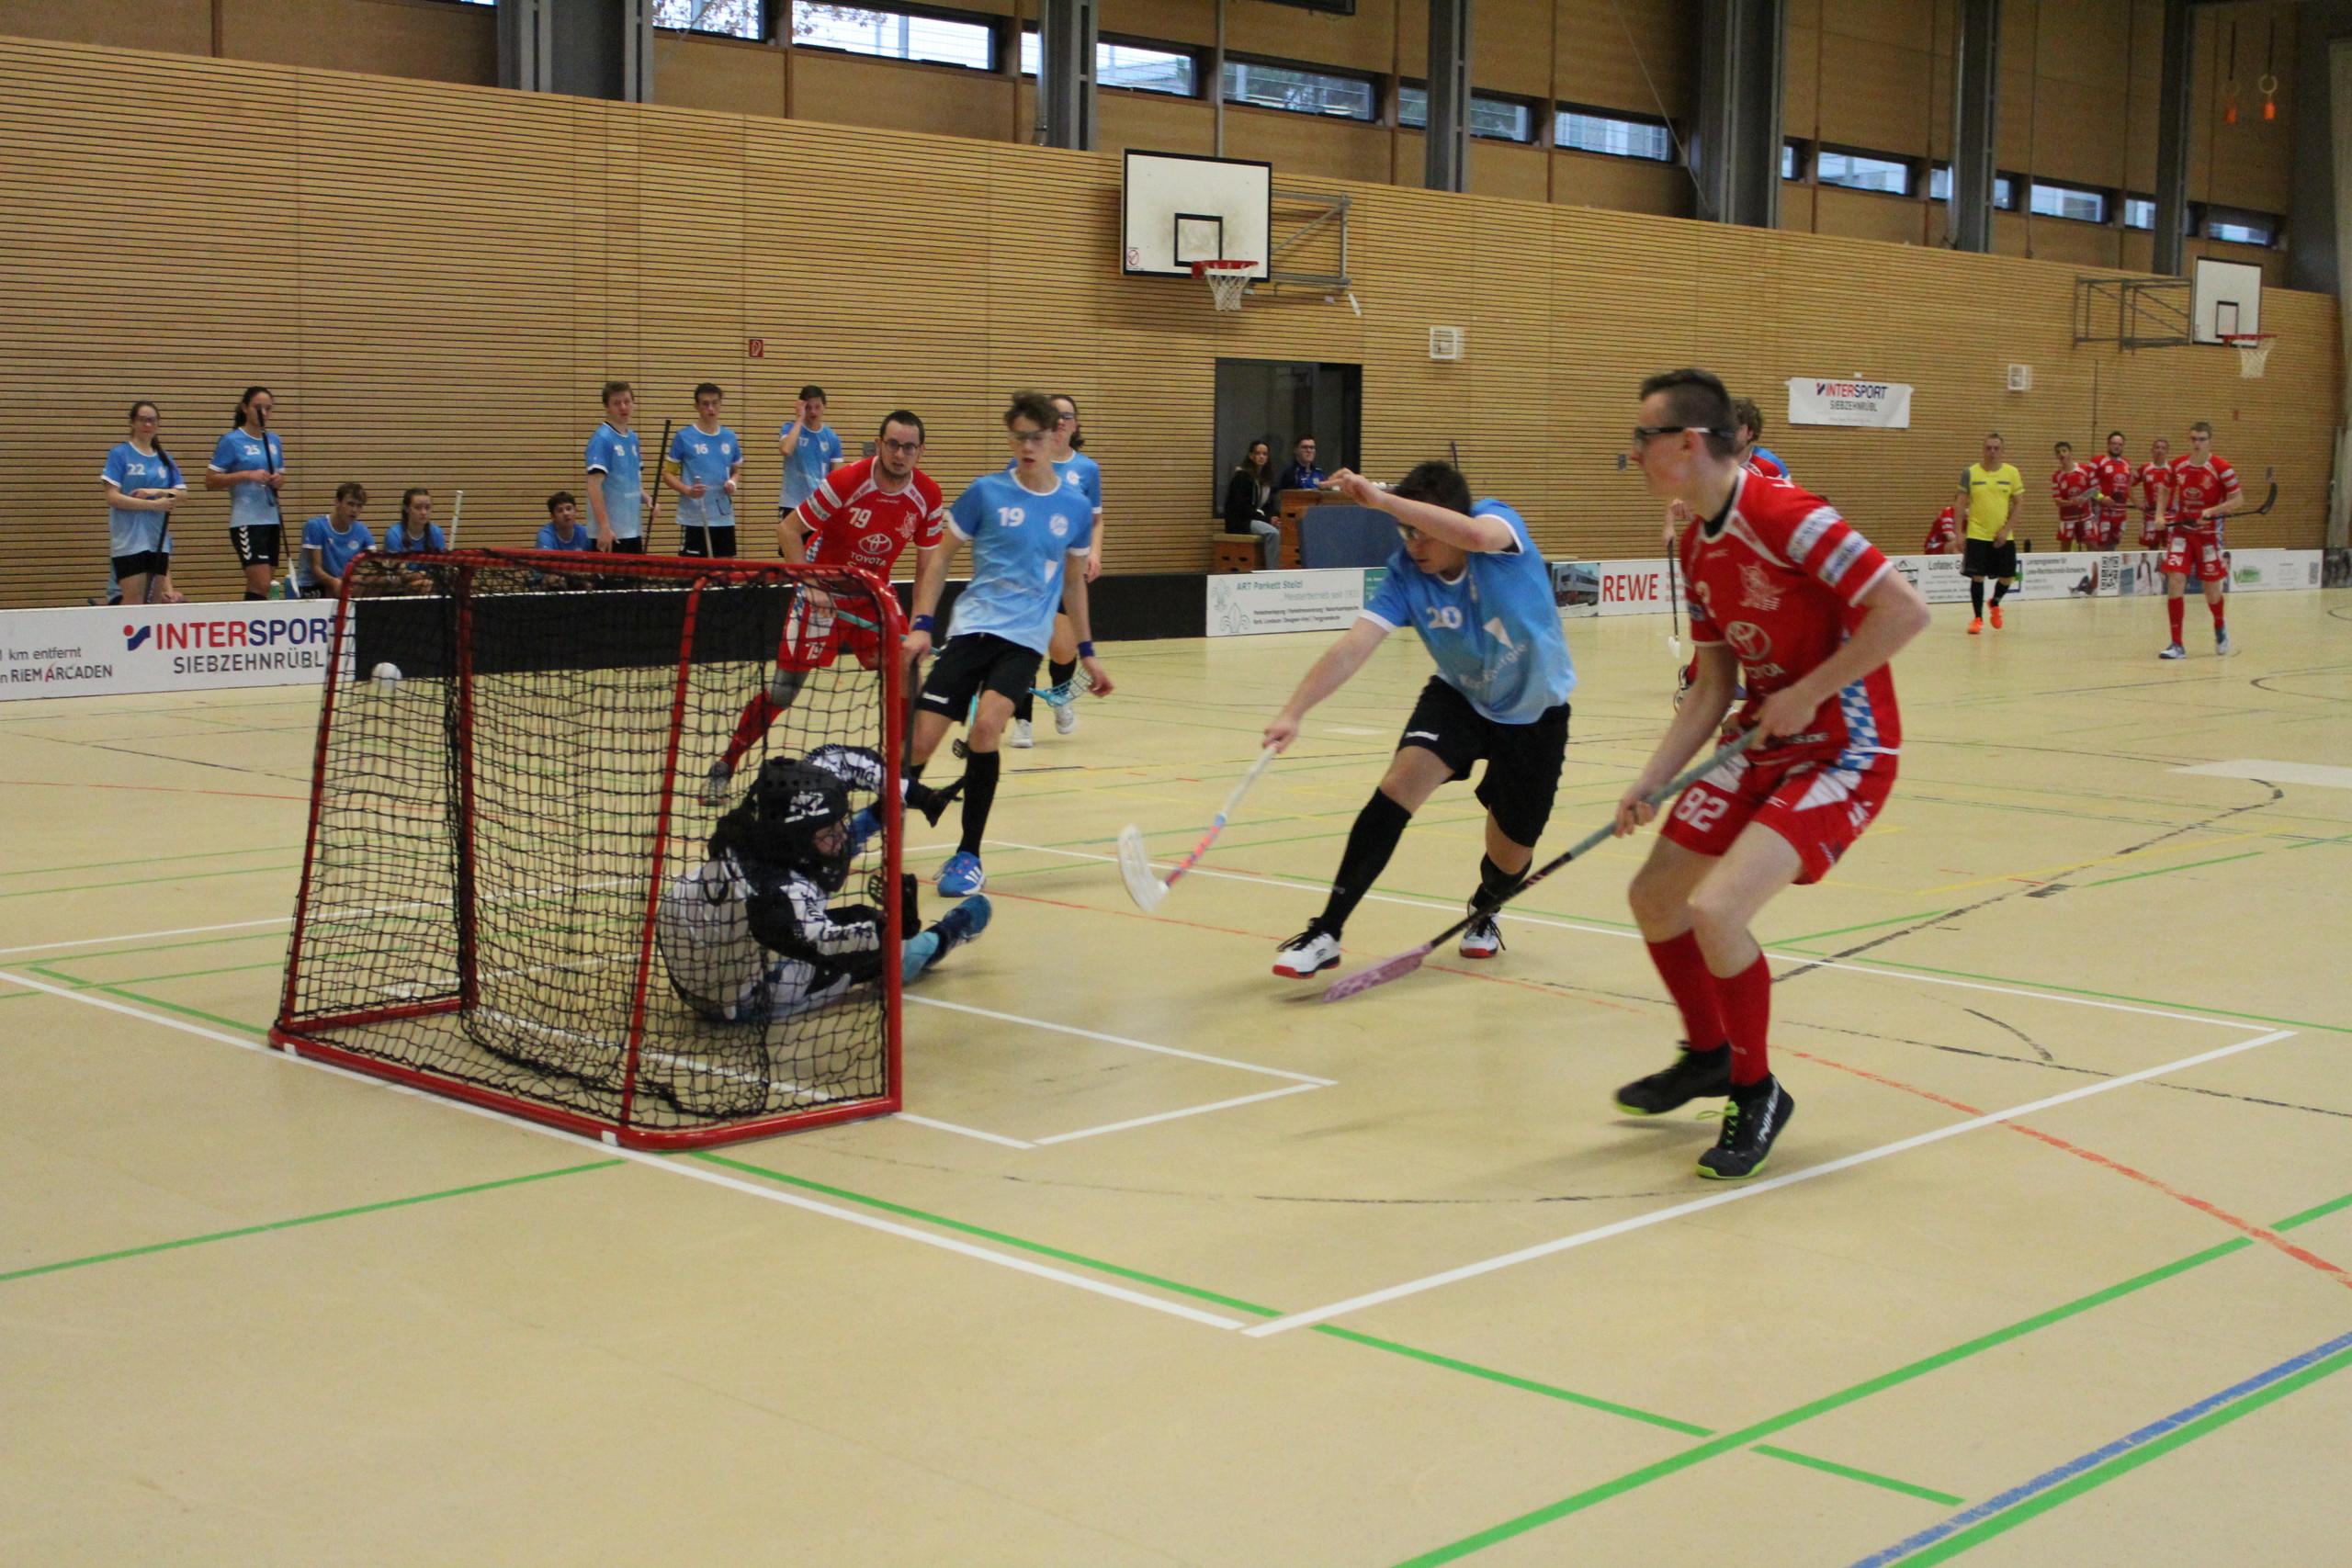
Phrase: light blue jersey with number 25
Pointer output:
(1494, 631)
(1021, 542)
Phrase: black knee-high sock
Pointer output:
(1024, 706)
(1370, 843)
(1976, 596)
(1495, 884)
(2000, 591)
(1057, 673)
(250, 595)
(980, 769)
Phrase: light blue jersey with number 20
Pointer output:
(1021, 543)
(1494, 631)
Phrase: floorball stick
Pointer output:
(661, 472)
(1673, 604)
(1404, 963)
(457, 512)
(1144, 885)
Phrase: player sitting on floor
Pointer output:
(752, 934)
(1785, 592)
(1470, 581)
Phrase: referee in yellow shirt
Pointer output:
(1988, 499)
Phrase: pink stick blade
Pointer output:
(1380, 974)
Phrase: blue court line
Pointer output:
(2123, 1445)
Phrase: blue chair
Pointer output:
(1332, 535)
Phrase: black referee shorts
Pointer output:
(1522, 759)
(1983, 557)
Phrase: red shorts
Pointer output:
(1820, 809)
(813, 640)
(2152, 531)
(2110, 525)
(2195, 552)
(2071, 529)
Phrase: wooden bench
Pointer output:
(1234, 552)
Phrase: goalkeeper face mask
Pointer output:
(796, 817)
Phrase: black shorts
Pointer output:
(977, 663)
(143, 563)
(715, 543)
(1983, 557)
(258, 544)
(1522, 759)
(627, 546)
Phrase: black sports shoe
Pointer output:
(1696, 1075)
(1752, 1120)
(931, 802)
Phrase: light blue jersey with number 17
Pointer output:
(1021, 543)
(1494, 631)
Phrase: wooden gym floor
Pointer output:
(1173, 1264)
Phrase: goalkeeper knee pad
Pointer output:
(785, 685)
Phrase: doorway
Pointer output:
(1278, 400)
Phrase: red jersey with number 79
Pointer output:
(1780, 577)
(854, 523)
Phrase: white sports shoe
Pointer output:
(1021, 737)
(2173, 650)
(1066, 716)
(1481, 939)
(2221, 644)
(1311, 952)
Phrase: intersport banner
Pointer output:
(163, 648)
(1871, 405)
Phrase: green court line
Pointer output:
(175, 1007)
(268, 1226)
(149, 979)
(2167, 871)
(1547, 1390)
(1867, 926)
(145, 881)
(275, 936)
(2123, 1464)
(1850, 1473)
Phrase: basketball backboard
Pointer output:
(2227, 302)
(1179, 208)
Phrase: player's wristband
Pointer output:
(1086, 650)
(922, 622)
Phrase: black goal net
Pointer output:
(536, 876)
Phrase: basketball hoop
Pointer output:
(2254, 351)
(1227, 280)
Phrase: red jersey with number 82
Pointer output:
(854, 523)
(1779, 578)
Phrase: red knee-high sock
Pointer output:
(1684, 971)
(2216, 607)
(1747, 1017)
(759, 714)
(2173, 607)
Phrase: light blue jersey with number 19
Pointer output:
(1021, 543)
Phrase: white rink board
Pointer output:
(102, 650)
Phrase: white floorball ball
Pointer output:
(388, 673)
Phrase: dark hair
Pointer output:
(1744, 412)
(245, 403)
(1996, 435)
(1261, 472)
(352, 489)
(562, 497)
(814, 391)
(1305, 440)
(1078, 441)
(711, 387)
(1436, 481)
(132, 413)
(406, 496)
(1695, 400)
(2115, 435)
(2064, 446)
(902, 416)
(615, 387)
(1032, 406)
(2201, 425)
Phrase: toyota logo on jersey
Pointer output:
(1747, 639)
(876, 544)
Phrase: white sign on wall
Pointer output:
(1870, 405)
(163, 648)
(1244, 604)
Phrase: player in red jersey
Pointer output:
(1784, 595)
(2155, 494)
(865, 514)
(2070, 486)
(2114, 472)
(2204, 488)
(1943, 533)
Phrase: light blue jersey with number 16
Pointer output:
(1021, 543)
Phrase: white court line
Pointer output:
(1602, 1232)
(142, 936)
(1885, 971)
(1172, 1115)
(967, 1132)
(1123, 1040)
(657, 1162)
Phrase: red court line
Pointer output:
(146, 789)
(2260, 1233)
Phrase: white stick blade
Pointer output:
(1135, 867)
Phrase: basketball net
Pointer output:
(1228, 281)
(2253, 352)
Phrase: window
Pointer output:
(1297, 89)
(2139, 212)
(2005, 190)
(1589, 130)
(1861, 171)
(2069, 202)
(1335, 8)
(938, 39)
(1791, 162)
(1498, 120)
(734, 18)
(2241, 228)
(1139, 68)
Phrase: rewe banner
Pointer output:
(1871, 405)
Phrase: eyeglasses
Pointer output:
(1643, 433)
(903, 448)
(1032, 438)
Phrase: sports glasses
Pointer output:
(1643, 433)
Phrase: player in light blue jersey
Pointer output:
(616, 497)
(562, 530)
(331, 543)
(705, 463)
(1025, 528)
(415, 530)
(1082, 474)
(143, 486)
(1470, 581)
(810, 450)
(250, 464)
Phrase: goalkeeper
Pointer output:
(753, 935)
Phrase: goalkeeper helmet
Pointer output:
(794, 815)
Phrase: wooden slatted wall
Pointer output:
(436, 278)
